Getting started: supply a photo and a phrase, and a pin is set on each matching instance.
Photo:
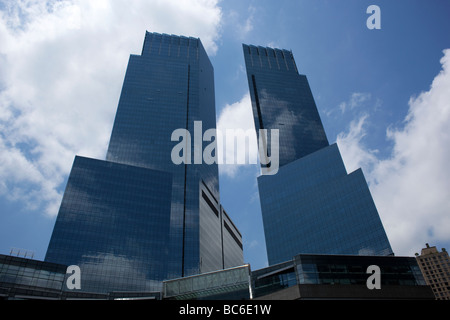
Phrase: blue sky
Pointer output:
(383, 96)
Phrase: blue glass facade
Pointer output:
(164, 219)
(114, 223)
(282, 99)
(168, 87)
(311, 205)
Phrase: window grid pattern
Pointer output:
(168, 87)
(317, 269)
(114, 224)
(318, 208)
(311, 205)
(282, 99)
(435, 267)
(30, 273)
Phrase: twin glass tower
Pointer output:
(137, 218)
(311, 205)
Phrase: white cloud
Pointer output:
(238, 115)
(350, 145)
(411, 187)
(356, 100)
(62, 66)
(242, 26)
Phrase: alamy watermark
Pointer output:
(74, 280)
(238, 147)
(374, 280)
(374, 21)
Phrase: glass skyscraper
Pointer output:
(114, 224)
(138, 218)
(311, 205)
